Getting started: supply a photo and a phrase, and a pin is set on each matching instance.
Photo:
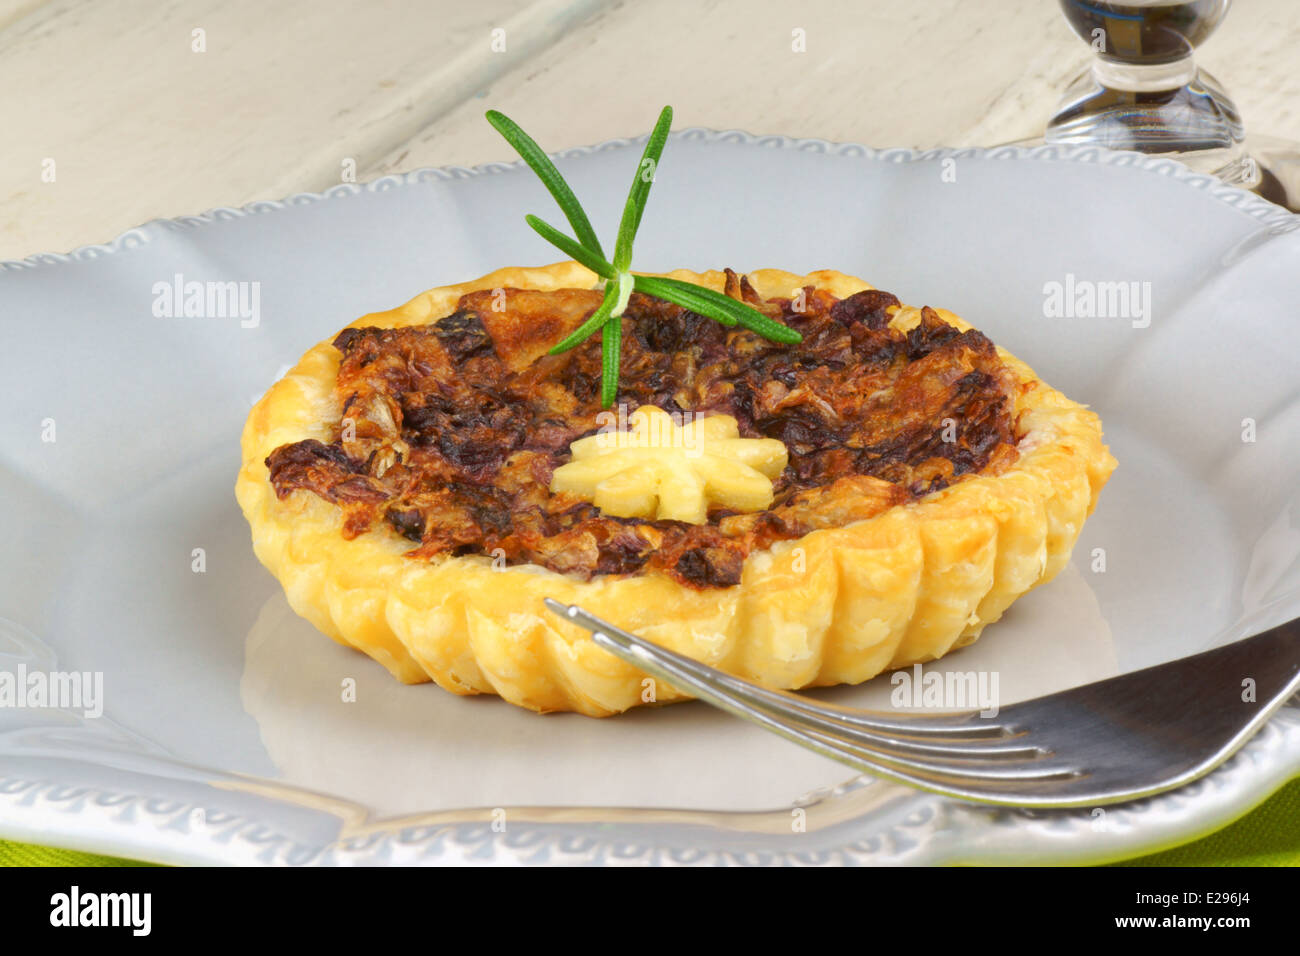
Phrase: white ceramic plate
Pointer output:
(224, 737)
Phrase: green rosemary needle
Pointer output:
(617, 275)
(541, 164)
(580, 334)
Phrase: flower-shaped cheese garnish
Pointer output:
(673, 467)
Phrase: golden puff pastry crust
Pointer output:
(837, 605)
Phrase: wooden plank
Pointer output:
(140, 125)
(888, 73)
(11, 11)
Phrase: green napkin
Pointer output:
(28, 854)
(1267, 836)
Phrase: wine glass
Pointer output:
(1144, 91)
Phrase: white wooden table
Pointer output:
(121, 111)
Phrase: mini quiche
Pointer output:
(799, 515)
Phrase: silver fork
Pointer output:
(1119, 739)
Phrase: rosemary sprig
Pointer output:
(729, 311)
(619, 280)
(611, 338)
(640, 191)
(541, 164)
(579, 335)
(575, 249)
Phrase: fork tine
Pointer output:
(836, 744)
(827, 736)
(958, 734)
(1113, 730)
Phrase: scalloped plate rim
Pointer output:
(1241, 199)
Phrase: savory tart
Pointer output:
(798, 514)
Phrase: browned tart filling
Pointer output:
(452, 440)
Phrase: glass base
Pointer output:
(1279, 167)
(1173, 109)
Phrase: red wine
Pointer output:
(1158, 31)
